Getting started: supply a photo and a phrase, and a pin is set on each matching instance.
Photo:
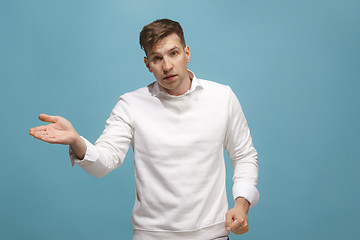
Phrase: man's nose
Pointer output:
(167, 65)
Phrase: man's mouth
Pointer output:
(170, 77)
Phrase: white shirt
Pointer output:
(178, 144)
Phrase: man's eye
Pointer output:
(156, 58)
(174, 53)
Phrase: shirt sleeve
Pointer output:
(239, 146)
(91, 154)
(110, 148)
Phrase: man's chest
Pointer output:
(181, 124)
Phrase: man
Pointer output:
(178, 127)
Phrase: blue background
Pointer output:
(294, 66)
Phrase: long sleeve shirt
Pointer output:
(178, 144)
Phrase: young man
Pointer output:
(178, 127)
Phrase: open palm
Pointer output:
(59, 130)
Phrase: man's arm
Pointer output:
(59, 131)
(97, 159)
(238, 144)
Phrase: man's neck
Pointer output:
(190, 77)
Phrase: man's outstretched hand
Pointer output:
(59, 131)
(236, 218)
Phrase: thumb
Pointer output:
(47, 118)
(228, 220)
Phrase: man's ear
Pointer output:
(187, 54)
(146, 61)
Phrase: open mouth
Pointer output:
(170, 77)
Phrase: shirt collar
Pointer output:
(195, 84)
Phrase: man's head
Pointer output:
(166, 55)
(157, 30)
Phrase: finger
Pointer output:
(235, 225)
(34, 132)
(241, 230)
(228, 221)
(48, 118)
(48, 139)
(43, 136)
(39, 128)
(245, 230)
(239, 226)
(39, 134)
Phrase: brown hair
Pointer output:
(157, 30)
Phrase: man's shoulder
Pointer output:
(211, 83)
(214, 86)
(144, 91)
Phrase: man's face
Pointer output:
(167, 60)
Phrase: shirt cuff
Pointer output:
(91, 154)
(247, 191)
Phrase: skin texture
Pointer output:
(167, 61)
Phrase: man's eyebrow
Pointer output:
(174, 48)
(171, 49)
